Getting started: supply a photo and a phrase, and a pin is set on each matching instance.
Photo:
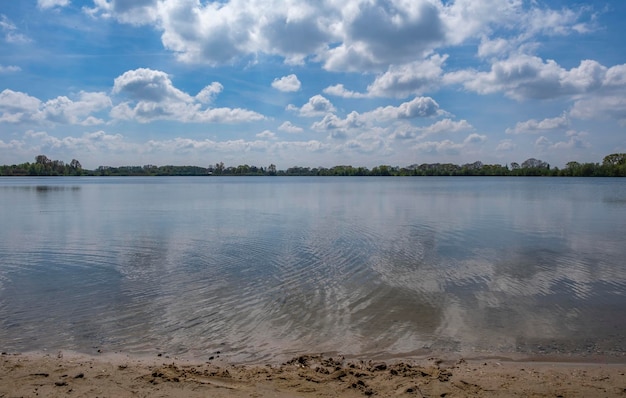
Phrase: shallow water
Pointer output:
(262, 268)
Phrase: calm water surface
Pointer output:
(263, 268)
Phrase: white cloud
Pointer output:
(362, 146)
(66, 111)
(9, 69)
(447, 147)
(575, 141)
(339, 90)
(135, 12)
(601, 107)
(412, 78)
(332, 122)
(560, 22)
(542, 142)
(417, 107)
(12, 145)
(208, 94)
(266, 134)
(399, 81)
(615, 77)
(348, 35)
(608, 101)
(506, 146)
(375, 35)
(490, 47)
(150, 96)
(16, 106)
(446, 126)
(467, 18)
(88, 142)
(153, 97)
(44, 4)
(533, 126)
(290, 127)
(11, 35)
(223, 115)
(475, 138)
(148, 85)
(287, 83)
(524, 76)
(316, 106)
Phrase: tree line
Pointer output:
(613, 165)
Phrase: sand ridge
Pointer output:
(77, 375)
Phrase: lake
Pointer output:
(265, 268)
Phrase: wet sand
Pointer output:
(118, 375)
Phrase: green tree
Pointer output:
(219, 168)
(271, 169)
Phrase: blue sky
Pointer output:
(311, 83)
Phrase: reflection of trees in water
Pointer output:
(55, 188)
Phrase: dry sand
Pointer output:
(77, 375)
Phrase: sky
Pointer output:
(312, 83)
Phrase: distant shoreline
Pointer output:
(613, 165)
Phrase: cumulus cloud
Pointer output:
(533, 126)
(316, 106)
(475, 138)
(148, 85)
(496, 46)
(443, 126)
(44, 4)
(287, 83)
(136, 12)
(207, 94)
(417, 107)
(411, 78)
(13, 145)
(350, 35)
(153, 96)
(447, 147)
(376, 34)
(332, 122)
(339, 90)
(525, 76)
(559, 22)
(17, 107)
(575, 140)
(66, 111)
(399, 81)
(608, 101)
(506, 146)
(9, 69)
(88, 142)
(146, 95)
(446, 126)
(290, 127)
(601, 107)
(266, 134)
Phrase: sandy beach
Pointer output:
(118, 375)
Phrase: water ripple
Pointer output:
(309, 267)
